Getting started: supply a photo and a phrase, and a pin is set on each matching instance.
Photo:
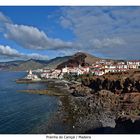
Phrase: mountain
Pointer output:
(32, 64)
(8, 65)
(79, 58)
(27, 65)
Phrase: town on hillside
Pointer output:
(98, 68)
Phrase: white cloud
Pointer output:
(107, 42)
(34, 56)
(4, 18)
(9, 52)
(65, 22)
(32, 38)
(106, 30)
(6, 50)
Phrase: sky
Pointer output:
(48, 32)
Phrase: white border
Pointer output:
(69, 137)
(70, 2)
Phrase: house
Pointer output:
(45, 75)
(122, 66)
(51, 74)
(86, 69)
(99, 72)
(121, 63)
(32, 76)
(133, 64)
(55, 74)
(65, 70)
(75, 70)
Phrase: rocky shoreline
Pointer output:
(92, 112)
(82, 110)
(87, 111)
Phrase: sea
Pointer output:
(22, 113)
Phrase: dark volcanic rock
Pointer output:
(80, 90)
(100, 110)
(91, 111)
(123, 126)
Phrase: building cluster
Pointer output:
(57, 73)
(103, 66)
(98, 68)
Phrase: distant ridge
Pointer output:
(27, 65)
(32, 64)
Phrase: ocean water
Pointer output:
(21, 113)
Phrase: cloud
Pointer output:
(8, 52)
(34, 56)
(32, 38)
(65, 22)
(106, 30)
(107, 42)
(110, 31)
(4, 19)
(68, 52)
(28, 37)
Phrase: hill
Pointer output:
(79, 58)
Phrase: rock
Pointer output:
(80, 90)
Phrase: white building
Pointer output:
(51, 74)
(76, 70)
(121, 66)
(133, 64)
(65, 70)
(32, 76)
(99, 72)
